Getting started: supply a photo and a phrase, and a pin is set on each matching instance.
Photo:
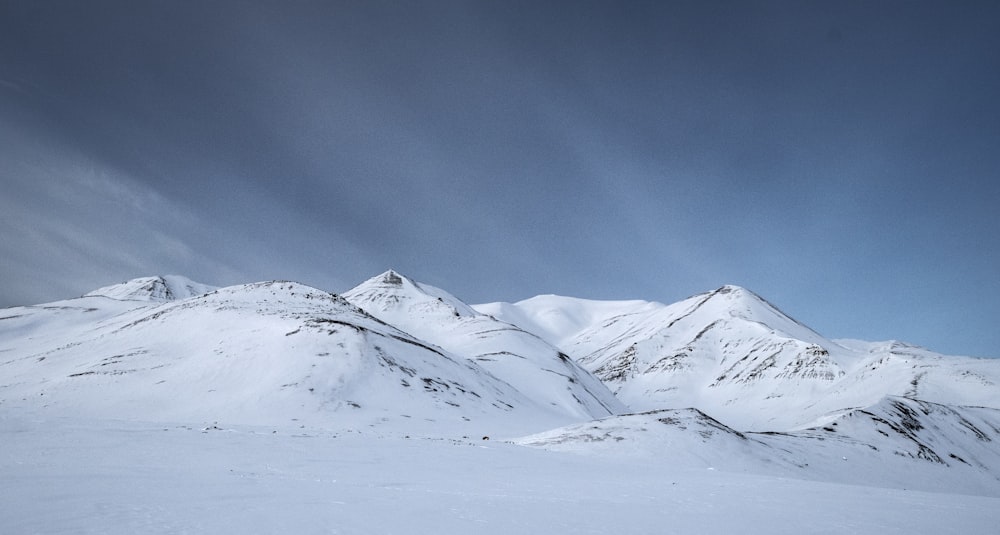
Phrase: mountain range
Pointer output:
(722, 378)
(739, 358)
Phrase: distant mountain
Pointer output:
(160, 289)
(735, 356)
(523, 360)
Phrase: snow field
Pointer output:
(62, 476)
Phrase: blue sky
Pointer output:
(839, 158)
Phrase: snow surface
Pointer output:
(73, 476)
(161, 405)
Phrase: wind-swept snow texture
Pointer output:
(161, 405)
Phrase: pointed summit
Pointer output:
(394, 293)
(738, 302)
(730, 288)
(156, 289)
(392, 278)
(733, 292)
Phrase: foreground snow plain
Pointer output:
(72, 476)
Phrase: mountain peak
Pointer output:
(735, 292)
(395, 282)
(160, 288)
(730, 288)
(392, 278)
(392, 290)
(748, 305)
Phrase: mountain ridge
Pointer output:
(728, 352)
(721, 379)
(735, 355)
(159, 288)
(261, 353)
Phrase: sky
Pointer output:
(841, 159)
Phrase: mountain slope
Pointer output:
(898, 442)
(262, 353)
(528, 363)
(159, 289)
(737, 357)
(397, 354)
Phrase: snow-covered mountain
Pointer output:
(738, 358)
(263, 353)
(523, 360)
(160, 288)
(245, 350)
(722, 380)
(896, 442)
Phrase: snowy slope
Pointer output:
(259, 353)
(153, 406)
(160, 289)
(896, 443)
(740, 359)
(727, 352)
(528, 363)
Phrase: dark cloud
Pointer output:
(839, 159)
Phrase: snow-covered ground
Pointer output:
(165, 406)
(73, 476)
